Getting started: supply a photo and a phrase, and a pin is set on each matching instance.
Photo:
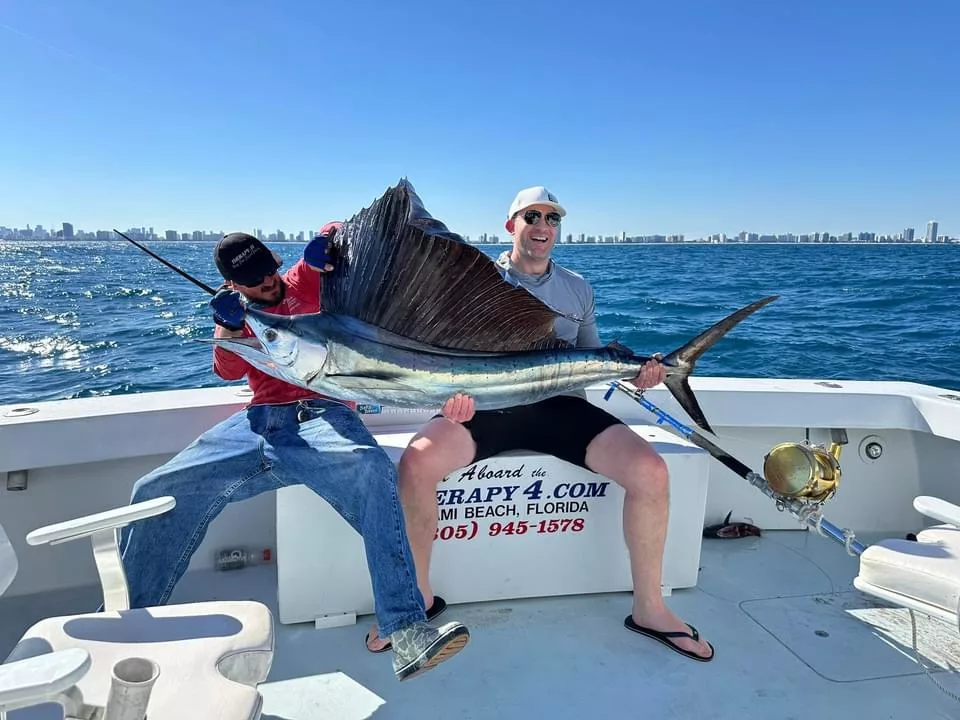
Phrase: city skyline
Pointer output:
(932, 234)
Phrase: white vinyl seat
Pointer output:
(195, 660)
(923, 575)
(49, 678)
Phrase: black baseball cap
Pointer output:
(243, 259)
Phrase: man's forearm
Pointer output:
(227, 365)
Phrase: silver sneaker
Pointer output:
(420, 647)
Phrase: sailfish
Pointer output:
(413, 314)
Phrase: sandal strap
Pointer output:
(693, 634)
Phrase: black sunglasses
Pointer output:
(261, 281)
(532, 217)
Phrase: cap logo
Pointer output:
(551, 197)
(238, 260)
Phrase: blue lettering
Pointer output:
(496, 493)
(578, 490)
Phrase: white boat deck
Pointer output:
(793, 639)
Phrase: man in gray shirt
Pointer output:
(561, 289)
(565, 426)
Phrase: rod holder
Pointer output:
(16, 480)
(131, 683)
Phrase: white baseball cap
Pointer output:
(537, 195)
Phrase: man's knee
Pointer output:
(653, 469)
(149, 487)
(375, 469)
(381, 466)
(621, 454)
(439, 449)
(167, 479)
(648, 472)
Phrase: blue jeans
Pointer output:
(263, 448)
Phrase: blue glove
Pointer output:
(228, 310)
(317, 253)
(321, 251)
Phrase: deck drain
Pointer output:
(20, 411)
(828, 384)
(821, 633)
(948, 396)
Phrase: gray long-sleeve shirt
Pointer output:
(564, 291)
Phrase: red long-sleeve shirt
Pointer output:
(303, 296)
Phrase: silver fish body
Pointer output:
(351, 360)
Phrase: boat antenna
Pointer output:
(148, 251)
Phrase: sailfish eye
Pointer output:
(270, 334)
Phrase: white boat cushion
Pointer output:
(948, 535)
(211, 655)
(927, 570)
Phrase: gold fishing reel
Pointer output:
(803, 471)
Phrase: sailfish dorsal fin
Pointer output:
(404, 271)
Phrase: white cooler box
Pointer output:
(512, 526)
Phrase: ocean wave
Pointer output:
(52, 346)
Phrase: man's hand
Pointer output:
(228, 310)
(651, 374)
(318, 253)
(459, 408)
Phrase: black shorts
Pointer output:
(562, 426)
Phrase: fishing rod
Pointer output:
(809, 514)
(151, 253)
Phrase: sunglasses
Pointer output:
(532, 217)
(261, 282)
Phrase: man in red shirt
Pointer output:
(287, 435)
(256, 278)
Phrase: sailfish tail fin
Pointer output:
(682, 361)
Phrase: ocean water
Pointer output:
(79, 319)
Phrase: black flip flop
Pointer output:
(439, 605)
(664, 637)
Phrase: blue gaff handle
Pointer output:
(662, 417)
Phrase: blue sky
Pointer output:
(648, 117)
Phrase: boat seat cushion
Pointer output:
(211, 655)
(927, 570)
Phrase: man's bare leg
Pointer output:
(623, 456)
(438, 449)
